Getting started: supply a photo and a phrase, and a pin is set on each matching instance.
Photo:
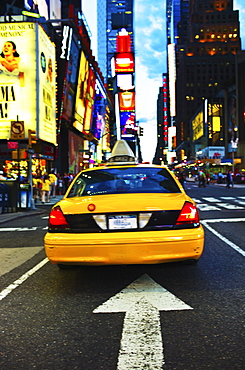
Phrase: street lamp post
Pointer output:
(234, 144)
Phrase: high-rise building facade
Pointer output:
(112, 16)
(207, 63)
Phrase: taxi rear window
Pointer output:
(123, 180)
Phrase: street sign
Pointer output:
(30, 151)
(12, 144)
(17, 130)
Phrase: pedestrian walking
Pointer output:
(53, 185)
(202, 179)
(182, 179)
(46, 189)
(229, 179)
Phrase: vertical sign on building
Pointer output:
(47, 91)
(165, 110)
(172, 79)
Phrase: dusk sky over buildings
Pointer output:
(151, 62)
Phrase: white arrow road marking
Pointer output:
(141, 344)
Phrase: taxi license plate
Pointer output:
(122, 222)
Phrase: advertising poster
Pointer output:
(99, 112)
(17, 76)
(75, 153)
(127, 122)
(85, 95)
(124, 62)
(80, 103)
(46, 116)
(90, 93)
(27, 60)
(127, 101)
(70, 85)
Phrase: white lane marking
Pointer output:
(18, 229)
(141, 343)
(241, 197)
(207, 207)
(223, 238)
(196, 200)
(211, 199)
(21, 280)
(239, 202)
(227, 198)
(213, 220)
(230, 206)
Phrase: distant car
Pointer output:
(124, 213)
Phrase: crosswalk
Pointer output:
(220, 203)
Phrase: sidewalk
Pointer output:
(40, 209)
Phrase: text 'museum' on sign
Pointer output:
(27, 60)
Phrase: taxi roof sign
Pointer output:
(121, 154)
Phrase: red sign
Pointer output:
(124, 62)
(12, 144)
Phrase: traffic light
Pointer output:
(141, 131)
(31, 137)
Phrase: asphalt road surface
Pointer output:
(171, 316)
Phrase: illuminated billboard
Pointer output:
(76, 146)
(27, 61)
(99, 111)
(90, 93)
(127, 123)
(84, 96)
(125, 81)
(127, 101)
(70, 82)
(46, 114)
(172, 78)
(124, 62)
(198, 126)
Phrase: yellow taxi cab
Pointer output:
(124, 213)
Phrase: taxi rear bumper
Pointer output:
(149, 247)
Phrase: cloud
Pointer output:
(150, 46)
(150, 32)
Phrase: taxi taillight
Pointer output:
(188, 215)
(57, 219)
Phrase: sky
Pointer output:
(150, 58)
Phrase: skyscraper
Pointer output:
(207, 62)
(112, 16)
